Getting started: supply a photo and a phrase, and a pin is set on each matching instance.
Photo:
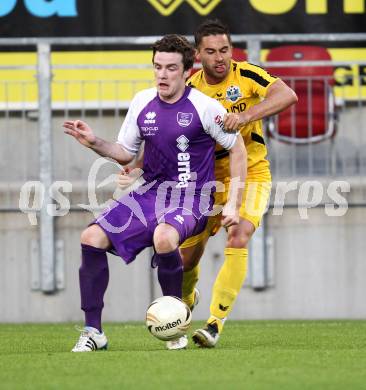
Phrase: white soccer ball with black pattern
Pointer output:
(168, 318)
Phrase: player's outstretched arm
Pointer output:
(238, 171)
(278, 98)
(83, 133)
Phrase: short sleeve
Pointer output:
(214, 126)
(259, 79)
(129, 134)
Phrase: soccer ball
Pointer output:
(168, 318)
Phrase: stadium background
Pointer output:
(301, 268)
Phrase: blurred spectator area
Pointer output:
(324, 133)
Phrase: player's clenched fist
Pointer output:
(231, 122)
(128, 177)
(230, 217)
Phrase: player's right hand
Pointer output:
(128, 177)
(81, 131)
(230, 216)
(231, 122)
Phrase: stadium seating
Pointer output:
(239, 54)
(313, 118)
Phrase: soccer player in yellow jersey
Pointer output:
(252, 94)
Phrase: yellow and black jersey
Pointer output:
(245, 86)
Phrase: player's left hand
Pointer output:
(229, 218)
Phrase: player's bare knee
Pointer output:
(238, 238)
(240, 235)
(163, 244)
(94, 236)
(166, 238)
(237, 242)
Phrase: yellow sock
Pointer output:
(228, 283)
(190, 279)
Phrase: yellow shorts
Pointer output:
(256, 195)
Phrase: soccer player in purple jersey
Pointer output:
(179, 127)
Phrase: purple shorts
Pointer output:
(130, 222)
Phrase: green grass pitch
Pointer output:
(250, 355)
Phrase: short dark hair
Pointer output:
(174, 43)
(211, 27)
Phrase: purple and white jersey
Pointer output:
(180, 141)
(180, 138)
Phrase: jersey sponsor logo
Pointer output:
(240, 107)
(219, 121)
(150, 117)
(233, 93)
(220, 96)
(182, 143)
(184, 119)
(184, 162)
(149, 131)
